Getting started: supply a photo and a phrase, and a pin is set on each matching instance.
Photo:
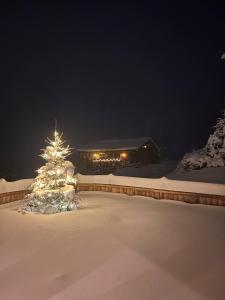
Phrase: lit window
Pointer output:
(123, 155)
(96, 156)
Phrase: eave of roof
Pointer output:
(117, 145)
(107, 149)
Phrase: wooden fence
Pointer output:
(193, 198)
(189, 197)
(12, 196)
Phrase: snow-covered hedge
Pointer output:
(212, 155)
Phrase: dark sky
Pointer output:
(109, 71)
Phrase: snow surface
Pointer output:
(117, 248)
(168, 169)
(148, 171)
(210, 175)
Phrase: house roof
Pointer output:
(122, 144)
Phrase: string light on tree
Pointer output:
(54, 188)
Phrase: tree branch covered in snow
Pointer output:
(213, 154)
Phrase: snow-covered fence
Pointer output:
(156, 183)
(14, 190)
(162, 188)
(12, 186)
(12, 196)
(189, 197)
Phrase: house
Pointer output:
(105, 156)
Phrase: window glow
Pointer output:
(123, 155)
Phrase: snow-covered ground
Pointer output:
(148, 171)
(117, 248)
(210, 175)
(168, 169)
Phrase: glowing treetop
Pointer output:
(56, 151)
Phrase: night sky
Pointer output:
(109, 70)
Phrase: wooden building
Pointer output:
(104, 156)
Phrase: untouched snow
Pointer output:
(118, 247)
(168, 169)
(148, 171)
(208, 175)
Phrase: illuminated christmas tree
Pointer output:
(54, 188)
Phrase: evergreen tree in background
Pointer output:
(213, 154)
(53, 190)
(215, 147)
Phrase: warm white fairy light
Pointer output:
(54, 179)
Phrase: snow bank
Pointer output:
(154, 183)
(13, 186)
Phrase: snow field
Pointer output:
(117, 247)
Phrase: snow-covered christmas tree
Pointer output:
(54, 188)
(213, 154)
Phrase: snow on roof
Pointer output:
(122, 144)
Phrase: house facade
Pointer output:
(105, 156)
